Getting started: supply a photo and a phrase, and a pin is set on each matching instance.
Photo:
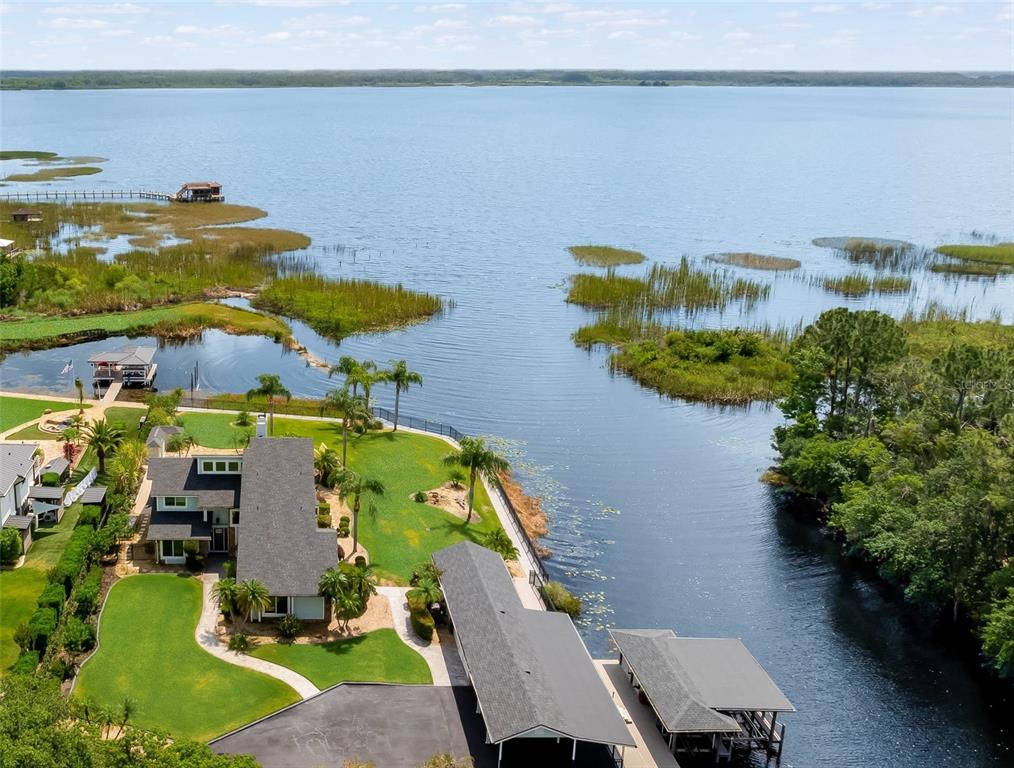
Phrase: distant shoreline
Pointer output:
(162, 79)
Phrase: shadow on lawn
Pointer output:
(344, 646)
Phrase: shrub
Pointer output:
(422, 623)
(104, 541)
(230, 569)
(560, 598)
(323, 521)
(42, 625)
(50, 479)
(53, 597)
(240, 643)
(289, 626)
(344, 520)
(86, 593)
(24, 636)
(120, 525)
(78, 636)
(457, 478)
(10, 545)
(26, 663)
(360, 561)
(244, 419)
(501, 543)
(192, 551)
(90, 515)
(419, 497)
(323, 508)
(74, 557)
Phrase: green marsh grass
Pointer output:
(857, 284)
(1001, 254)
(755, 261)
(604, 255)
(55, 172)
(26, 154)
(338, 308)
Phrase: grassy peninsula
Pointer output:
(726, 367)
(339, 308)
(1000, 254)
(604, 255)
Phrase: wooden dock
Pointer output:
(102, 194)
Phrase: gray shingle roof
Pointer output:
(688, 678)
(93, 495)
(58, 465)
(178, 525)
(125, 356)
(279, 542)
(160, 435)
(179, 477)
(46, 493)
(19, 522)
(15, 462)
(529, 668)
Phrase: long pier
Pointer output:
(116, 194)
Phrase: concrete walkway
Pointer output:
(442, 658)
(207, 638)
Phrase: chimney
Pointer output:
(262, 425)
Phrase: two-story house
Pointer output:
(19, 472)
(260, 506)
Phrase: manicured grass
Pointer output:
(20, 588)
(1001, 253)
(230, 319)
(404, 533)
(18, 410)
(338, 308)
(147, 652)
(127, 418)
(59, 172)
(376, 657)
(604, 255)
(214, 430)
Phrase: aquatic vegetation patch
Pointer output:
(879, 252)
(970, 269)
(55, 172)
(726, 367)
(338, 308)
(857, 284)
(663, 287)
(26, 154)
(999, 253)
(604, 255)
(755, 261)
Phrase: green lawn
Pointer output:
(18, 410)
(376, 657)
(213, 430)
(20, 588)
(147, 652)
(404, 532)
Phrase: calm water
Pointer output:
(658, 518)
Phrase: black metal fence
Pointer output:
(424, 425)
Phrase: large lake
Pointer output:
(657, 515)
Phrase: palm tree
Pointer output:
(478, 460)
(402, 378)
(224, 592)
(79, 385)
(327, 465)
(501, 543)
(363, 581)
(269, 386)
(355, 485)
(353, 411)
(103, 437)
(180, 443)
(356, 373)
(252, 597)
(333, 582)
(336, 584)
(427, 591)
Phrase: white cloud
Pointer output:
(222, 30)
(511, 20)
(737, 36)
(1006, 15)
(274, 37)
(788, 14)
(829, 8)
(441, 8)
(622, 34)
(325, 21)
(64, 22)
(169, 41)
(116, 32)
(931, 11)
(841, 38)
(299, 3)
(89, 9)
(439, 26)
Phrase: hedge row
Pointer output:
(422, 620)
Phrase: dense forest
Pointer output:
(94, 79)
(907, 444)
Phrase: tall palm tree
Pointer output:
(356, 486)
(478, 460)
(353, 410)
(252, 597)
(269, 386)
(356, 373)
(363, 581)
(79, 385)
(103, 437)
(402, 378)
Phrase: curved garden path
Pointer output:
(207, 638)
(442, 657)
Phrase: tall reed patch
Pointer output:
(337, 308)
(878, 252)
(755, 261)
(857, 284)
(664, 287)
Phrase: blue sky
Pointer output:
(311, 34)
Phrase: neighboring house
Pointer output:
(19, 472)
(158, 438)
(26, 214)
(259, 506)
